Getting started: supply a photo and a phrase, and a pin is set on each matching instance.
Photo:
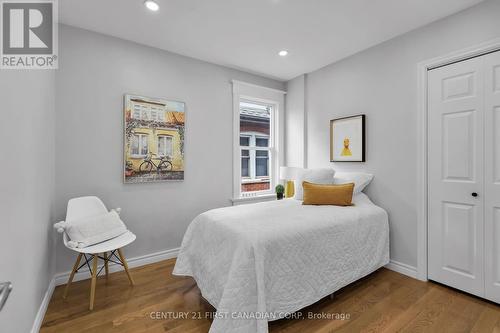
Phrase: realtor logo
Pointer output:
(29, 34)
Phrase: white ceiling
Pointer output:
(247, 34)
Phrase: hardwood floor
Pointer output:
(385, 301)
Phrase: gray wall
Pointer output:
(295, 122)
(95, 71)
(381, 82)
(27, 192)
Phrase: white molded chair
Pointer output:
(90, 206)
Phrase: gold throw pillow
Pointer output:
(330, 194)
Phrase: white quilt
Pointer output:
(259, 262)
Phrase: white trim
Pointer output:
(422, 174)
(258, 86)
(83, 274)
(401, 268)
(422, 195)
(252, 157)
(305, 123)
(464, 54)
(254, 198)
(248, 180)
(37, 323)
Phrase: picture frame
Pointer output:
(153, 147)
(347, 139)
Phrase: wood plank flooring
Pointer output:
(385, 301)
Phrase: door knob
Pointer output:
(474, 194)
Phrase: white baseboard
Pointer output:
(83, 273)
(404, 269)
(43, 307)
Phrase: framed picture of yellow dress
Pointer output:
(153, 139)
(347, 139)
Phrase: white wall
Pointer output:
(295, 122)
(95, 71)
(382, 83)
(27, 192)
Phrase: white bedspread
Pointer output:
(255, 263)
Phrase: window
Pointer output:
(262, 164)
(161, 115)
(147, 111)
(165, 147)
(139, 145)
(157, 113)
(244, 141)
(262, 142)
(255, 131)
(245, 156)
(137, 112)
(257, 145)
(245, 163)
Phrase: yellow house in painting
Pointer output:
(153, 128)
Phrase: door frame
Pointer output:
(422, 140)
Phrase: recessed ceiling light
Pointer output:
(151, 5)
(283, 53)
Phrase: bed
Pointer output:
(261, 262)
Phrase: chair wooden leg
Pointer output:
(92, 285)
(106, 268)
(122, 258)
(72, 275)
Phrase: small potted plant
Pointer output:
(280, 190)
(129, 169)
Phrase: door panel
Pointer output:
(495, 273)
(459, 235)
(456, 155)
(492, 175)
(458, 145)
(458, 86)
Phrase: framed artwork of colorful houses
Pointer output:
(347, 139)
(153, 139)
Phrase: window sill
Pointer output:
(255, 180)
(256, 198)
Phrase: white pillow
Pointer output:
(316, 176)
(95, 229)
(360, 179)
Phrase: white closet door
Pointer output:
(492, 175)
(456, 156)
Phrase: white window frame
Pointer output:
(166, 136)
(252, 148)
(141, 136)
(147, 112)
(267, 149)
(249, 156)
(243, 91)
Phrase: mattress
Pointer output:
(261, 262)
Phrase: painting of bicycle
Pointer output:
(153, 139)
